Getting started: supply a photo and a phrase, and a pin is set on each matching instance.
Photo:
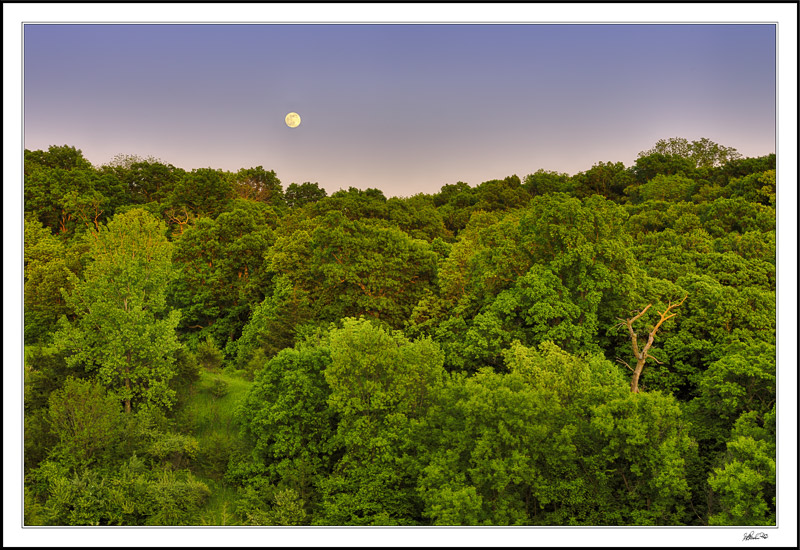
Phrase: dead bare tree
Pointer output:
(642, 355)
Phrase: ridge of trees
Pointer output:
(455, 358)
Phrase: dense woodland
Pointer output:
(210, 348)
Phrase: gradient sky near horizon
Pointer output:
(403, 108)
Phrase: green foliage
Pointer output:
(668, 188)
(64, 157)
(187, 368)
(219, 388)
(209, 419)
(259, 185)
(142, 281)
(742, 380)
(303, 194)
(46, 272)
(702, 152)
(87, 421)
(380, 384)
(124, 333)
(543, 182)
(746, 483)
(643, 459)
(354, 204)
(559, 269)
(208, 355)
(146, 180)
(221, 271)
(132, 495)
(273, 324)
(204, 191)
(505, 194)
(417, 216)
(349, 268)
(758, 187)
(608, 179)
(518, 448)
(286, 419)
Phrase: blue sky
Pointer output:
(404, 108)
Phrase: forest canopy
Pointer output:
(208, 347)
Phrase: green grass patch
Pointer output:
(221, 506)
(208, 415)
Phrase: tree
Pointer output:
(642, 355)
(354, 204)
(274, 322)
(456, 202)
(649, 166)
(668, 188)
(746, 482)
(757, 187)
(286, 419)
(124, 333)
(608, 179)
(352, 267)
(417, 216)
(259, 185)
(703, 152)
(519, 448)
(64, 157)
(584, 269)
(221, 271)
(381, 384)
(645, 449)
(48, 261)
(303, 194)
(55, 196)
(505, 194)
(87, 421)
(203, 191)
(543, 181)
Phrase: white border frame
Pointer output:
(784, 14)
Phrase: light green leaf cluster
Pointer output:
(124, 333)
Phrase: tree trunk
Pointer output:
(637, 372)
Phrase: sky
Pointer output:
(405, 108)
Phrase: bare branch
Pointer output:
(626, 364)
(643, 355)
(631, 321)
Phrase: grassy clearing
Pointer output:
(208, 415)
(220, 508)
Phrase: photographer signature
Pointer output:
(752, 535)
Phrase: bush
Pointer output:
(209, 355)
(219, 388)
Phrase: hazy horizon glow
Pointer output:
(403, 108)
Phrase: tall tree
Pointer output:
(259, 185)
(204, 192)
(381, 385)
(220, 271)
(704, 152)
(124, 333)
(305, 193)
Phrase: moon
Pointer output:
(292, 120)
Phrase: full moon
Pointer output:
(292, 120)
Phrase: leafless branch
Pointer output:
(626, 364)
